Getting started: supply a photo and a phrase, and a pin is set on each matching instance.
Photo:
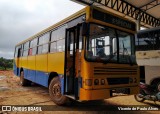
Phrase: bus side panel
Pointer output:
(56, 62)
(31, 75)
(42, 78)
(41, 70)
(31, 66)
(23, 60)
(41, 62)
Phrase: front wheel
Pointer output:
(55, 92)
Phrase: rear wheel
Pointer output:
(24, 82)
(55, 92)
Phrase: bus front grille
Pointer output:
(111, 71)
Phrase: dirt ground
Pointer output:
(11, 93)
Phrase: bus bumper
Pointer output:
(103, 93)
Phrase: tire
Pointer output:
(24, 82)
(55, 92)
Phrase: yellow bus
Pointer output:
(87, 56)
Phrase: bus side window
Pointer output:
(53, 47)
(43, 43)
(45, 48)
(60, 45)
(40, 49)
(53, 36)
(33, 46)
(26, 47)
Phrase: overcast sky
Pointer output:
(20, 19)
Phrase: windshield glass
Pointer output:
(106, 45)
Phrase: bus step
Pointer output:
(71, 96)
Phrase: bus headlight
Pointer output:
(88, 82)
(96, 82)
(102, 81)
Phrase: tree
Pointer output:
(6, 63)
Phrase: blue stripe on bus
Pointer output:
(38, 77)
(42, 78)
(16, 69)
(31, 75)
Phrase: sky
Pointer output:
(20, 19)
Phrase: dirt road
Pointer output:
(11, 93)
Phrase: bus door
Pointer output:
(18, 59)
(71, 53)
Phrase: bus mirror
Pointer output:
(85, 29)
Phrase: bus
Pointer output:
(88, 56)
(148, 56)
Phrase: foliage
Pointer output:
(6, 63)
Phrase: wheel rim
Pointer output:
(56, 90)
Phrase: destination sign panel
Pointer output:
(112, 19)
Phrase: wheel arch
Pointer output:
(21, 69)
(51, 76)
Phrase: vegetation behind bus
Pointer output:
(6, 64)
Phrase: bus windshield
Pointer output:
(106, 44)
